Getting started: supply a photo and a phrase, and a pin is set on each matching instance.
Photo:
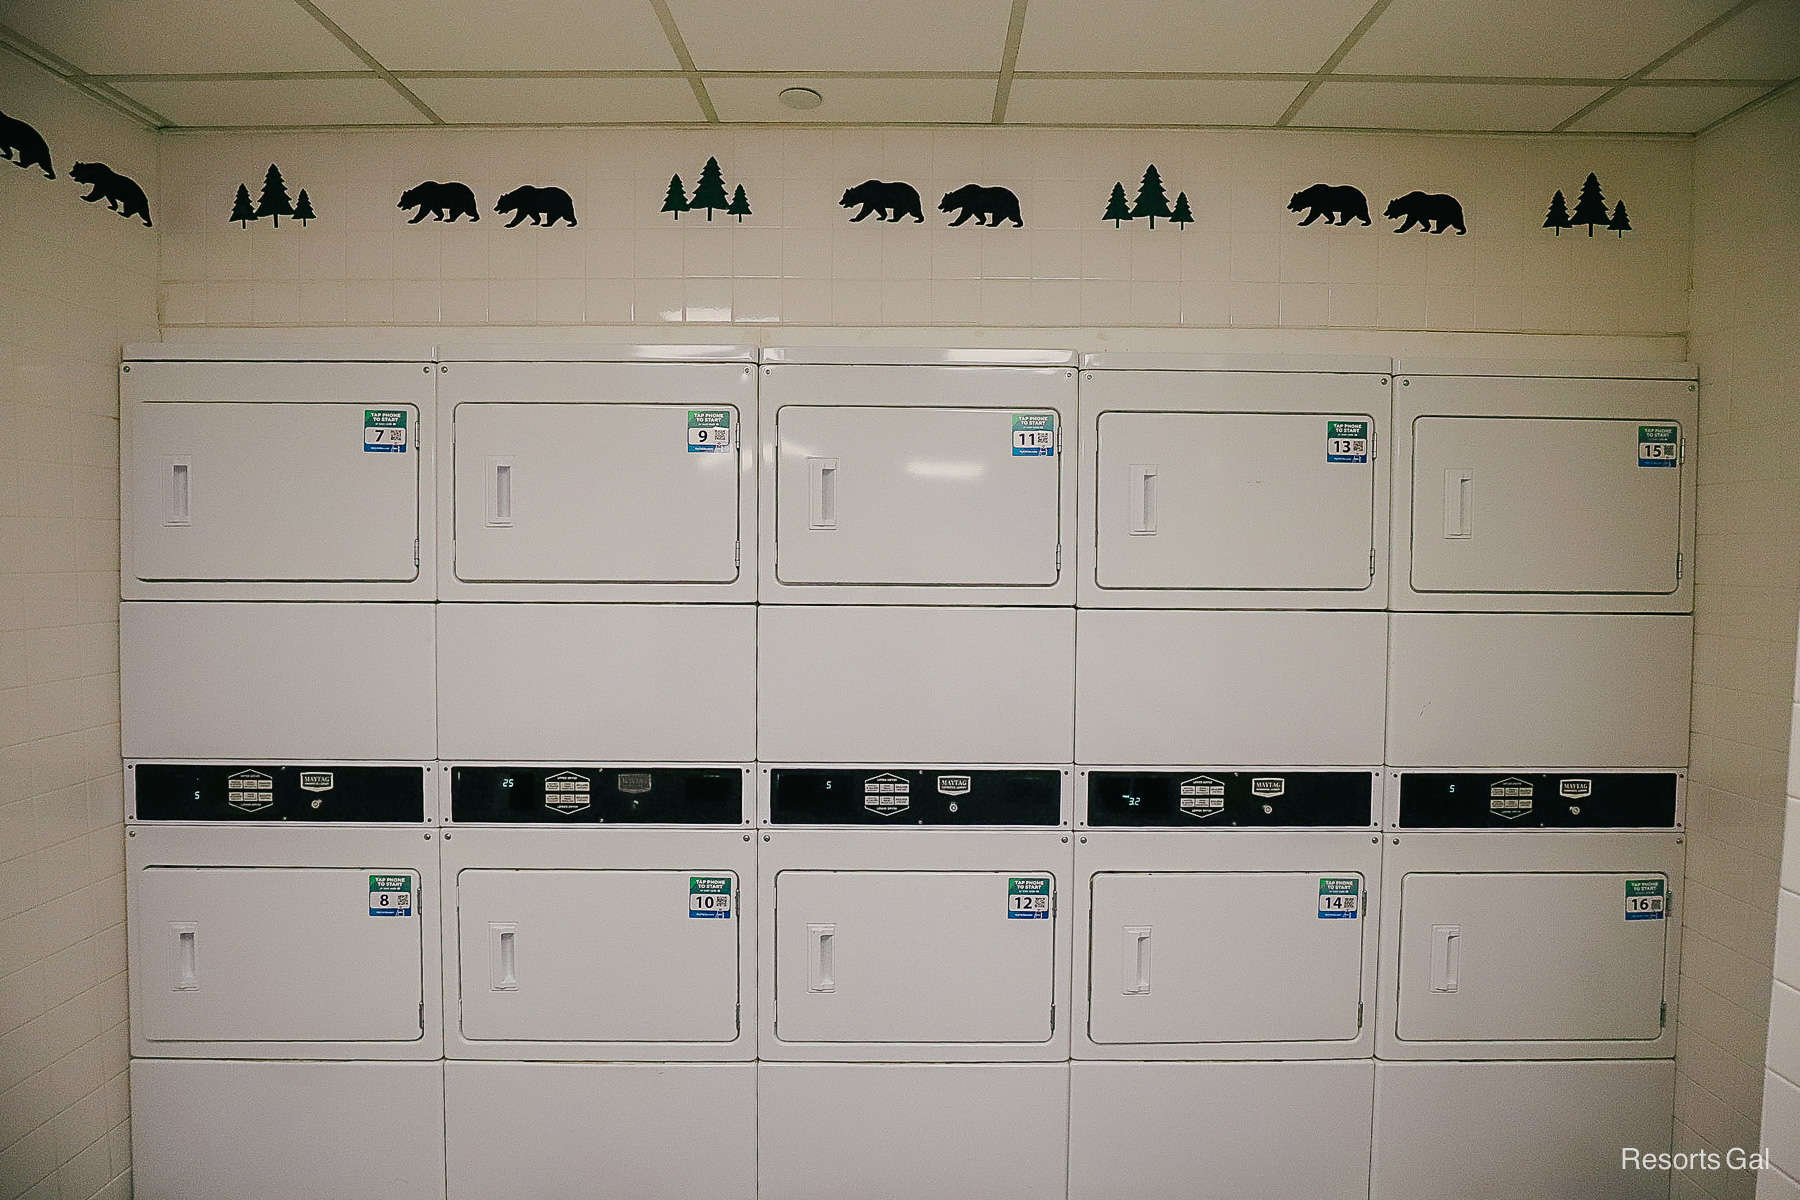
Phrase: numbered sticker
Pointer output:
(1027, 898)
(384, 430)
(1646, 899)
(708, 430)
(709, 896)
(1034, 434)
(390, 895)
(1340, 897)
(1346, 441)
(1659, 445)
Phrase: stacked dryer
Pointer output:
(276, 662)
(915, 661)
(1231, 650)
(596, 708)
(1537, 729)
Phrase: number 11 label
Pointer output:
(1034, 434)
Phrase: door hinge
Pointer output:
(1059, 437)
(415, 552)
(1662, 1019)
(737, 553)
(1053, 1020)
(1371, 562)
(1359, 1016)
(1374, 443)
(1679, 564)
(1059, 556)
(421, 1016)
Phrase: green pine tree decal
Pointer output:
(1117, 209)
(303, 210)
(709, 193)
(1621, 220)
(676, 201)
(740, 204)
(241, 212)
(274, 202)
(1590, 206)
(1152, 201)
(1182, 214)
(1558, 216)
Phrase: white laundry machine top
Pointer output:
(1224, 482)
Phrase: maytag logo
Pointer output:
(1510, 798)
(566, 792)
(954, 785)
(1268, 787)
(316, 781)
(1575, 789)
(1202, 796)
(886, 794)
(249, 791)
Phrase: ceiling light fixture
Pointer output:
(803, 98)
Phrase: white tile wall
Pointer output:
(75, 282)
(1746, 339)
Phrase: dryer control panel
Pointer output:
(1537, 800)
(285, 792)
(587, 795)
(914, 797)
(1202, 798)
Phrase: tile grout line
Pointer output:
(351, 44)
(1654, 63)
(678, 44)
(1009, 60)
(1337, 56)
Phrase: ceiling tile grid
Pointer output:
(1654, 67)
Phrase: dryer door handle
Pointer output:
(187, 962)
(821, 493)
(1446, 957)
(821, 972)
(503, 960)
(1143, 498)
(1137, 961)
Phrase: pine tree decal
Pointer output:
(303, 211)
(241, 212)
(274, 201)
(709, 193)
(1182, 214)
(1152, 201)
(1621, 220)
(1117, 208)
(676, 201)
(740, 204)
(1558, 216)
(1590, 206)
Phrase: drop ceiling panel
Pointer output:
(276, 102)
(141, 37)
(753, 98)
(1566, 39)
(1192, 36)
(831, 35)
(1149, 101)
(1666, 109)
(559, 101)
(1473, 106)
(483, 35)
(1762, 42)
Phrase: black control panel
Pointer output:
(314, 792)
(1536, 800)
(904, 796)
(1210, 799)
(597, 795)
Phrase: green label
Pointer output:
(1646, 899)
(1034, 434)
(384, 430)
(1346, 441)
(709, 896)
(390, 895)
(708, 430)
(1340, 897)
(1027, 898)
(1659, 445)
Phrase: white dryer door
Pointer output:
(914, 956)
(279, 954)
(603, 956)
(1227, 956)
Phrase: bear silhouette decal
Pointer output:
(543, 205)
(1432, 212)
(439, 201)
(892, 200)
(24, 145)
(121, 193)
(988, 205)
(1338, 205)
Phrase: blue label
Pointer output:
(1659, 445)
(1340, 897)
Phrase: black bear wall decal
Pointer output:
(24, 145)
(988, 205)
(121, 193)
(439, 201)
(544, 205)
(1432, 212)
(1338, 205)
(892, 200)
